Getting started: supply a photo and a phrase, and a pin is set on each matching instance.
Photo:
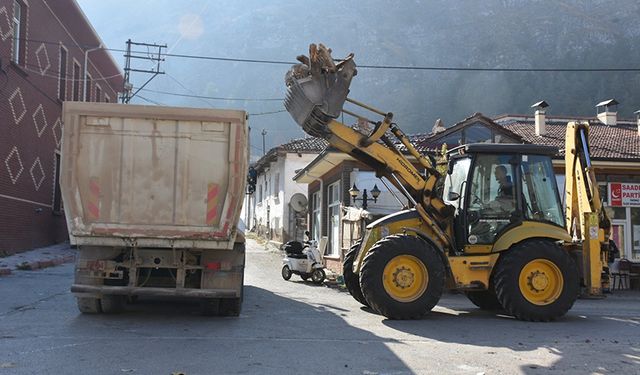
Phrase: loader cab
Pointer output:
(495, 187)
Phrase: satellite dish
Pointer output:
(299, 202)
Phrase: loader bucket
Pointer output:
(317, 89)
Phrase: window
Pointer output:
(57, 197)
(18, 32)
(454, 183)
(87, 97)
(492, 197)
(333, 200)
(316, 216)
(62, 76)
(76, 82)
(98, 93)
(541, 198)
(276, 185)
(477, 134)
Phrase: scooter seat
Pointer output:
(293, 247)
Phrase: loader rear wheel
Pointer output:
(402, 277)
(484, 299)
(88, 305)
(318, 276)
(536, 280)
(351, 280)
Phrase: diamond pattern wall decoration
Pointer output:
(37, 173)
(6, 28)
(39, 120)
(43, 59)
(16, 102)
(14, 165)
(56, 128)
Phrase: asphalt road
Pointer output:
(293, 327)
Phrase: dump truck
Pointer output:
(492, 227)
(152, 199)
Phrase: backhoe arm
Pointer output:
(586, 219)
(317, 91)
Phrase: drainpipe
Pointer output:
(86, 55)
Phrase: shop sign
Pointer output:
(624, 194)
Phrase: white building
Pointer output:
(268, 210)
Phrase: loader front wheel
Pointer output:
(402, 277)
(351, 280)
(536, 280)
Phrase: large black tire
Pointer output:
(402, 277)
(484, 299)
(351, 280)
(536, 280)
(112, 304)
(88, 305)
(230, 306)
(210, 306)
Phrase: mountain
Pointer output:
(569, 34)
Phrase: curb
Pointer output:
(38, 264)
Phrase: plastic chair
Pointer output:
(621, 274)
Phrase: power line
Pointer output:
(214, 97)
(267, 113)
(368, 66)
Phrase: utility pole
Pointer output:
(156, 58)
(264, 133)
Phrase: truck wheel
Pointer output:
(351, 280)
(286, 272)
(88, 305)
(484, 299)
(112, 304)
(402, 277)
(536, 280)
(210, 306)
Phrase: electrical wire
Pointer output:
(215, 97)
(365, 66)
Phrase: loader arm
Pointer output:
(586, 219)
(317, 91)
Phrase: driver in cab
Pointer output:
(504, 199)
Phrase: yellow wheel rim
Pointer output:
(541, 282)
(405, 278)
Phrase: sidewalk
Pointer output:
(35, 259)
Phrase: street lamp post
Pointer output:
(86, 55)
(375, 193)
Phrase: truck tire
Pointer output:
(351, 280)
(536, 280)
(112, 304)
(88, 305)
(210, 306)
(230, 306)
(402, 277)
(484, 299)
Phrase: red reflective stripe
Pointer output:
(212, 203)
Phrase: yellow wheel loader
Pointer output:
(492, 227)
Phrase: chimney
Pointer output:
(541, 125)
(608, 112)
(638, 120)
